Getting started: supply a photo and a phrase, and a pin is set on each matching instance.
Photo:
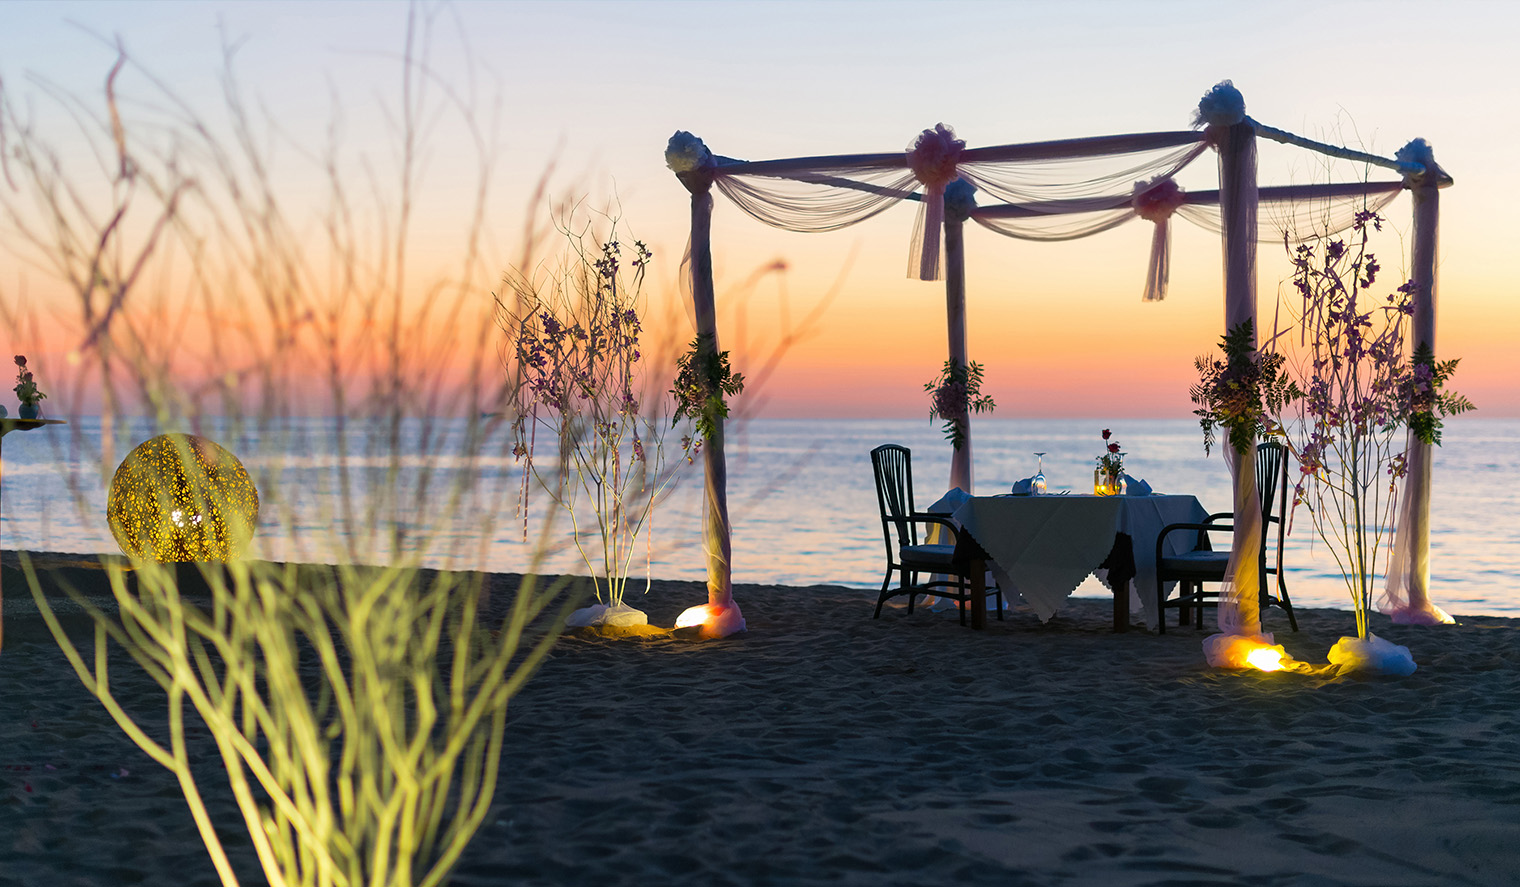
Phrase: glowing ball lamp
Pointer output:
(179, 498)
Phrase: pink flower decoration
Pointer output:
(933, 155)
(1155, 201)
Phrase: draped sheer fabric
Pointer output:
(1298, 213)
(1071, 188)
(1048, 191)
(1108, 177)
(825, 199)
(1239, 599)
(1406, 598)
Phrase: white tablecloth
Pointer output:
(1042, 547)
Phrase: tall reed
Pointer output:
(359, 708)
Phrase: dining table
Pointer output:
(1042, 547)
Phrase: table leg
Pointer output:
(978, 593)
(1120, 565)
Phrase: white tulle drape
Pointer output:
(1239, 599)
(1297, 213)
(720, 616)
(1406, 597)
(1041, 191)
(825, 199)
(1075, 187)
(962, 472)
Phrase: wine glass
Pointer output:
(1037, 483)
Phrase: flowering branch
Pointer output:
(574, 367)
(1358, 391)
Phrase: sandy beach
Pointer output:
(823, 746)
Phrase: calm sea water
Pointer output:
(801, 499)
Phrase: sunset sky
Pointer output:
(589, 92)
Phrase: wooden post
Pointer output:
(955, 324)
(1407, 598)
(1240, 609)
(716, 539)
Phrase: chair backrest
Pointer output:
(1272, 487)
(893, 467)
(1271, 477)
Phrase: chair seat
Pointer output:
(939, 556)
(915, 570)
(1195, 565)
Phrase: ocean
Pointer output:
(801, 499)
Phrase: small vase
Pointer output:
(1103, 483)
(28, 411)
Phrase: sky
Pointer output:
(582, 96)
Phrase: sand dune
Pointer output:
(826, 747)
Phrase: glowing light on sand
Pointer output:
(693, 616)
(1265, 658)
(716, 620)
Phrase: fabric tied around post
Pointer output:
(933, 157)
(693, 163)
(1220, 108)
(1155, 201)
(960, 200)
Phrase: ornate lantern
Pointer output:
(180, 498)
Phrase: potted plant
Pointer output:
(27, 392)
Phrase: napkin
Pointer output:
(1136, 487)
(948, 503)
(1023, 487)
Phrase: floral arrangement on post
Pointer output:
(1425, 391)
(1355, 392)
(1241, 393)
(704, 382)
(27, 391)
(574, 373)
(954, 395)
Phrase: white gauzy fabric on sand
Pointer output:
(618, 616)
(1372, 655)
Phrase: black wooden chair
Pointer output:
(1204, 564)
(906, 556)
